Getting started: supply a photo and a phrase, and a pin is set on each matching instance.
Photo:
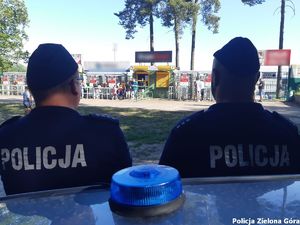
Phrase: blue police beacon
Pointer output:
(146, 190)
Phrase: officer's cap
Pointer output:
(239, 56)
(48, 66)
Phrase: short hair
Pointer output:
(235, 83)
(41, 95)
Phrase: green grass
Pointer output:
(7, 110)
(141, 126)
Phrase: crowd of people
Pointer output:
(124, 90)
(53, 146)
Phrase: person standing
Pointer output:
(135, 88)
(202, 89)
(261, 87)
(54, 146)
(197, 89)
(235, 136)
(27, 100)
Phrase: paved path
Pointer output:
(290, 110)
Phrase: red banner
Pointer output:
(208, 78)
(184, 78)
(277, 57)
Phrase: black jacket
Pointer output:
(233, 139)
(56, 147)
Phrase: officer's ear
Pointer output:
(257, 77)
(215, 76)
(73, 87)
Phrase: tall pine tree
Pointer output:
(138, 12)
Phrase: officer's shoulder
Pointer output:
(284, 120)
(10, 121)
(102, 118)
(188, 121)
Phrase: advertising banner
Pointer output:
(99, 66)
(156, 56)
(269, 75)
(184, 79)
(277, 57)
(111, 80)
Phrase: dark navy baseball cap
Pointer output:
(48, 66)
(239, 56)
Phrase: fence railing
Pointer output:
(179, 92)
(184, 93)
(96, 92)
(12, 89)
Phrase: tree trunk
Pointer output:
(195, 17)
(176, 42)
(281, 32)
(151, 35)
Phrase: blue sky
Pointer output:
(90, 28)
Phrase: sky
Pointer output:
(90, 28)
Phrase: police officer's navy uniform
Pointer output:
(56, 147)
(235, 136)
(232, 139)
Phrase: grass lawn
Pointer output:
(145, 130)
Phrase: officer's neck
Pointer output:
(235, 100)
(59, 100)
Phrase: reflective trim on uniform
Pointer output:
(45, 158)
(258, 156)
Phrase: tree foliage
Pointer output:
(208, 10)
(13, 21)
(253, 2)
(175, 14)
(136, 12)
(17, 68)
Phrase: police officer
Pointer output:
(235, 136)
(54, 146)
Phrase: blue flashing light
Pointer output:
(146, 185)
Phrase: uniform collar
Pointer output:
(53, 109)
(237, 107)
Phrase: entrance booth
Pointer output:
(164, 80)
(153, 81)
(141, 75)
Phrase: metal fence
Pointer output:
(188, 93)
(96, 92)
(12, 89)
(174, 91)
